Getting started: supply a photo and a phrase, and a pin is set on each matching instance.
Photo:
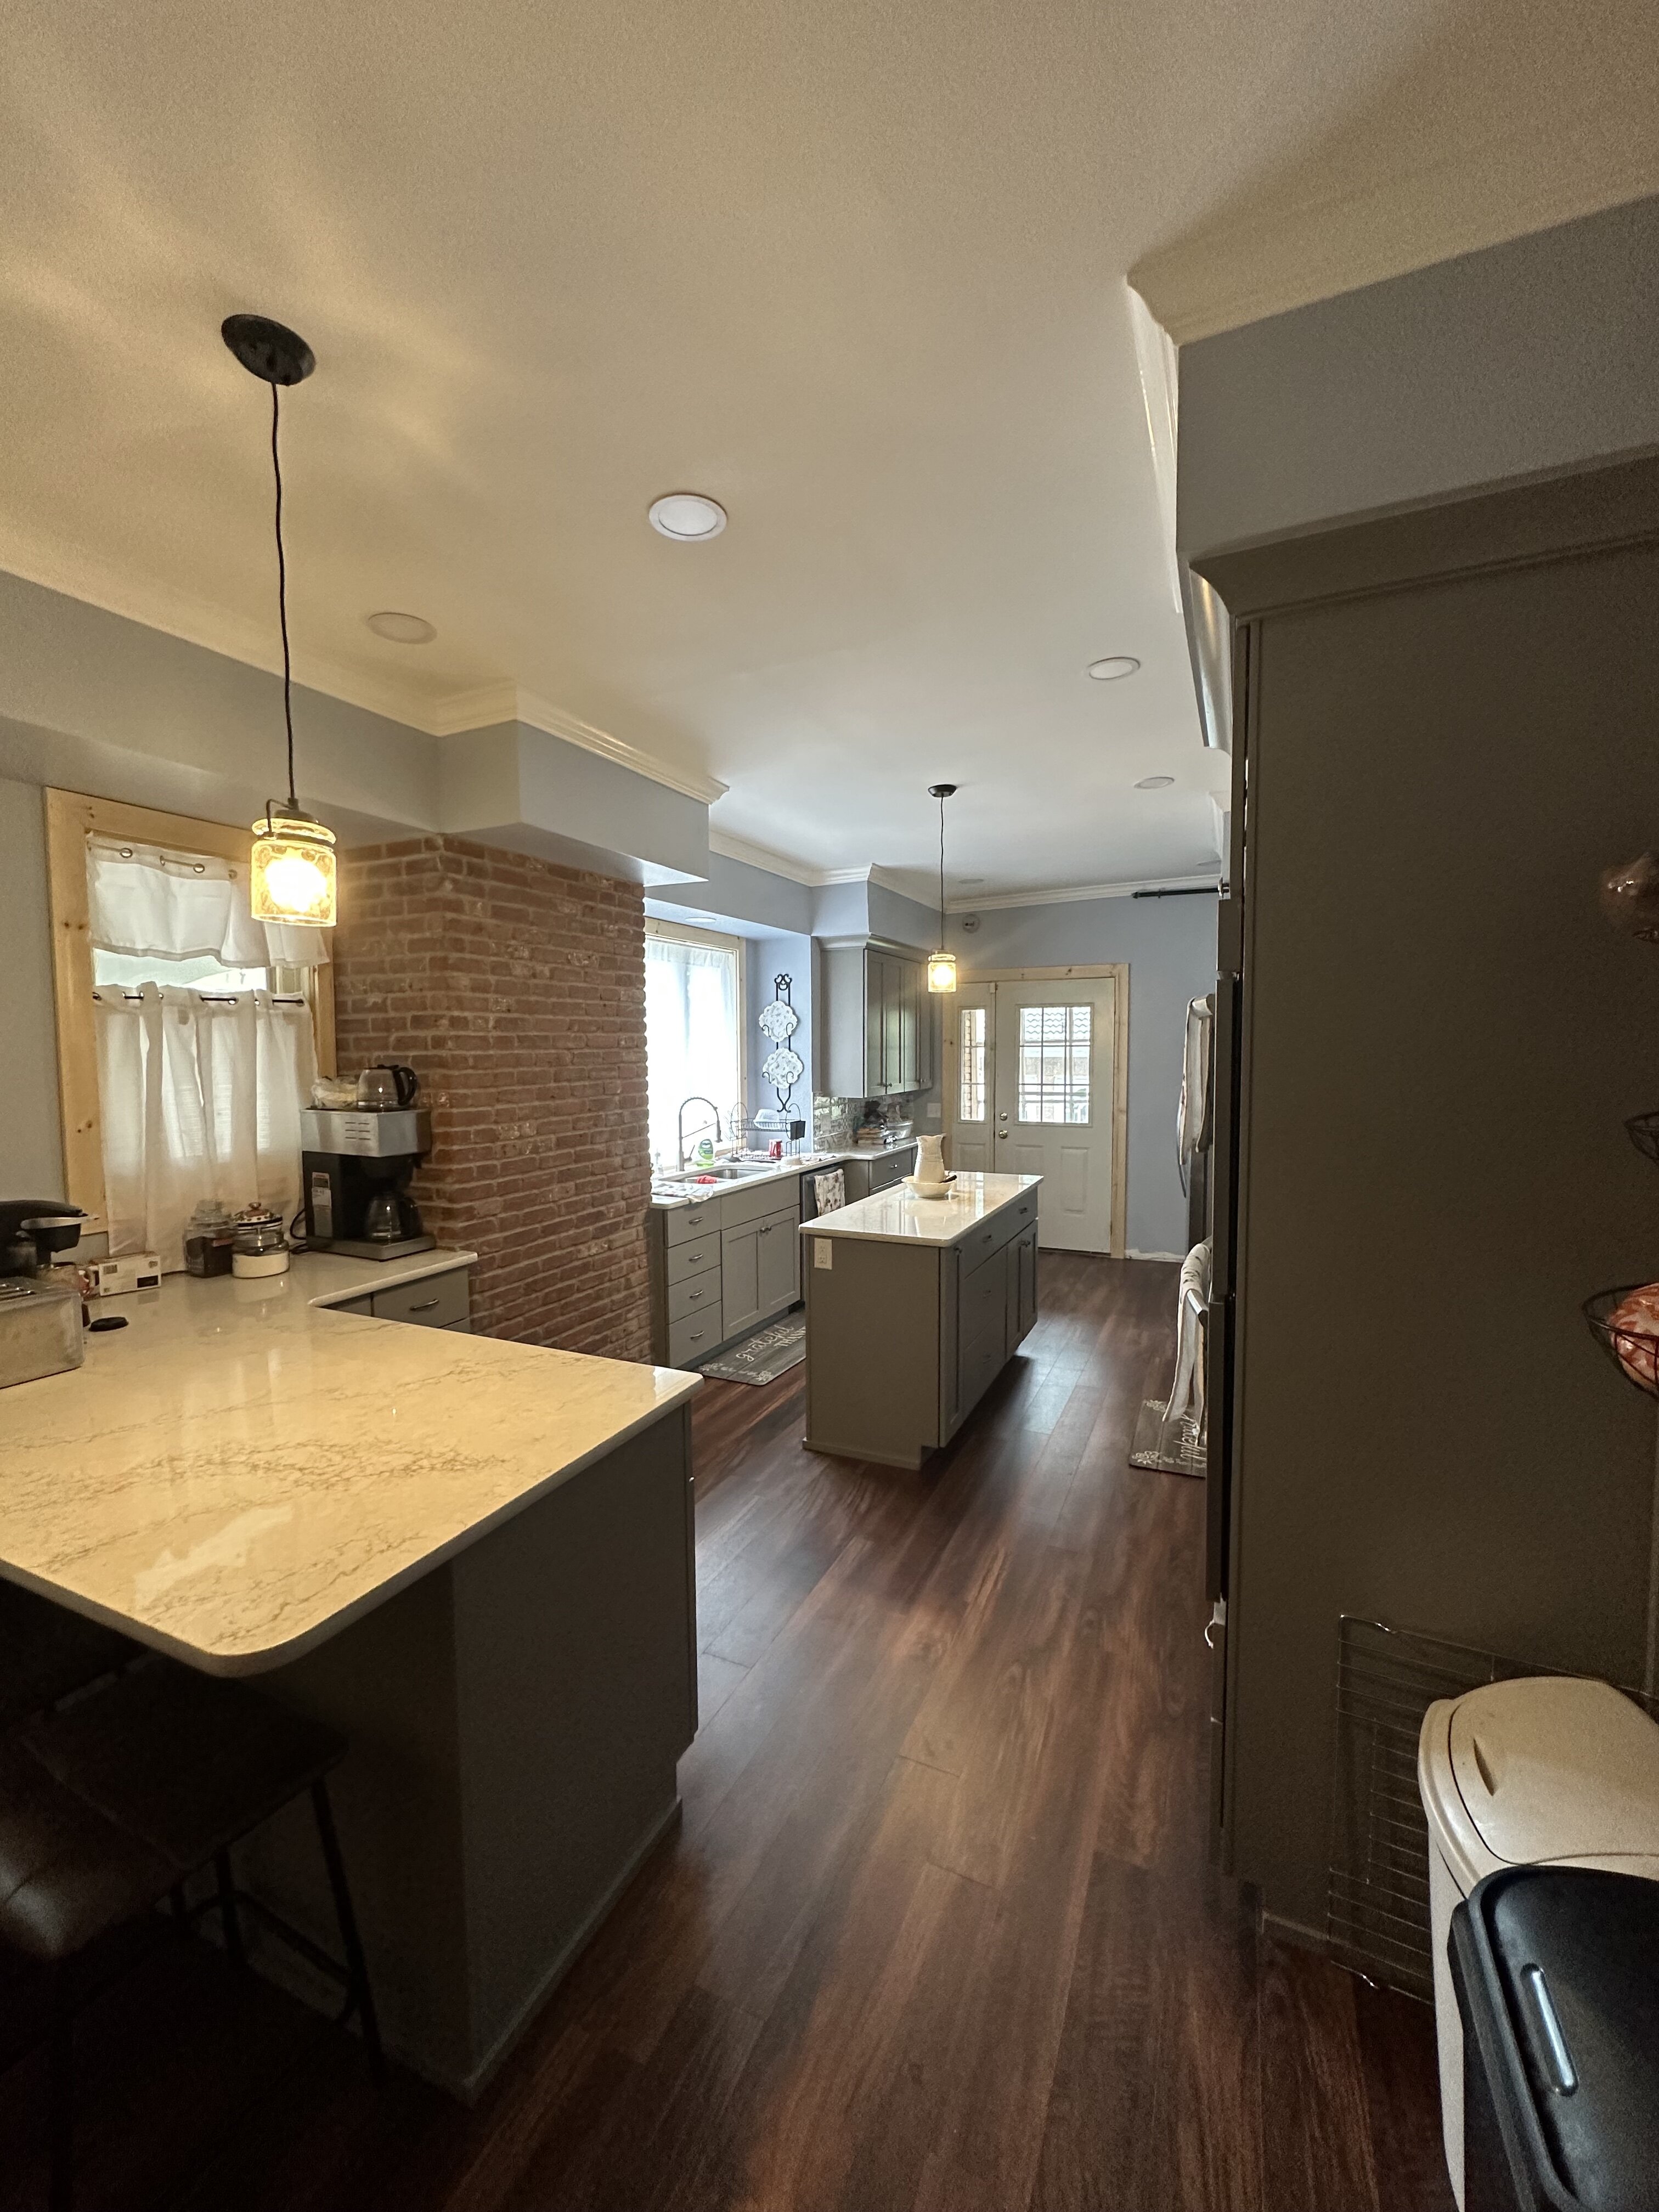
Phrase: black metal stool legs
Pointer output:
(61, 2093)
(228, 1920)
(359, 1998)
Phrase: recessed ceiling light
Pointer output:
(1155, 783)
(687, 516)
(402, 630)
(1115, 665)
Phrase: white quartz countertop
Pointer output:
(240, 1472)
(806, 1163)
(893, 1217)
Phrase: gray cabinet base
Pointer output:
(902, 1341)
(515, 1719)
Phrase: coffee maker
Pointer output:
(355, 1164)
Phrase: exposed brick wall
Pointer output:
(516, 991)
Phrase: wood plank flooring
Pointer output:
(937, 1932)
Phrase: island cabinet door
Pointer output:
(778, 1262)
(1026, 1253)
(982, 1321)
(740, 1282)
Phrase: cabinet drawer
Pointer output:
(889, 1168)
(694, 1255)
(683, 1224)
(433, 1302)
(1004, 1225)
(697, 1294)
(760, 1201)
(693, 1339)
(353, 1305)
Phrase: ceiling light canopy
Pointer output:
(1155, 783)
(687, 516)
(941, 965)
(1114, 665)
(401, 629)
(293, 876)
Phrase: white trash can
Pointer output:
(1550, 1768)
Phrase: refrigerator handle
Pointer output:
(1218, 1486)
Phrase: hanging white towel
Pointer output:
(1194, 1080)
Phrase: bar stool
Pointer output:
(110, 1804)
(46, 1653)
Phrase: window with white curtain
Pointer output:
(693, 1030)
(206, 1049)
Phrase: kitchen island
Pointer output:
(472, 1558)
(914, 1306)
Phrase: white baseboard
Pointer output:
(1134, 1254)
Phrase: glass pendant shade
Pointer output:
(941, 971)
(293, 874)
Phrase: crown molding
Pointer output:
(781, 864)
(506, 702)
(158, 606)
(1205, 880)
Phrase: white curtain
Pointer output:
(181, 906)
(200, 1099)
(691, 1037)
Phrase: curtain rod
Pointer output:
(1182, 890)
(207, 998)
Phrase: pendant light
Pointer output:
(941, 965)
(292, 872)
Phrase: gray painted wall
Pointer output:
(1169, 946)
(1519, 360)
(33, 1150)
(787, 955)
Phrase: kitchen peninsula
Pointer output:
(473, 1558)
(914, 1306)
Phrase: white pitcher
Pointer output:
(930, 1159)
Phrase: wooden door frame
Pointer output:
(72, 819)
(1117, 972)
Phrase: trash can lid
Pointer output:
(1559, 1970)
(1555, 1767)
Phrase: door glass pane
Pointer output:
(970, 1061)
(1053, 1063)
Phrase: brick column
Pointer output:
(515, 989)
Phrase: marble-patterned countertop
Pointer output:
(893, 1217)
(667, 1195)
(240, 1472)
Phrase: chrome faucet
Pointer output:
(697, 1099)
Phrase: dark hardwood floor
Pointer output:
(938, 1930)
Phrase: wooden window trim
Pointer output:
(685, 933)
(72, 817)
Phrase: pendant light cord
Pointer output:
(941, 874)
(281, 613)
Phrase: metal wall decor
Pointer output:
(782, 1068)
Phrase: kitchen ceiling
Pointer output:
(858, 273)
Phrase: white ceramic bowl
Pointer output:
(928, 1190)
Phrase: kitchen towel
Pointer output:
(829, 1191)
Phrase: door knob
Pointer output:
(1001, 1135)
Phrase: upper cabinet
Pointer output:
(878, 1021)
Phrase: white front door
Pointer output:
(1033, 1096)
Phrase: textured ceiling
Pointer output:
(857, 271)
